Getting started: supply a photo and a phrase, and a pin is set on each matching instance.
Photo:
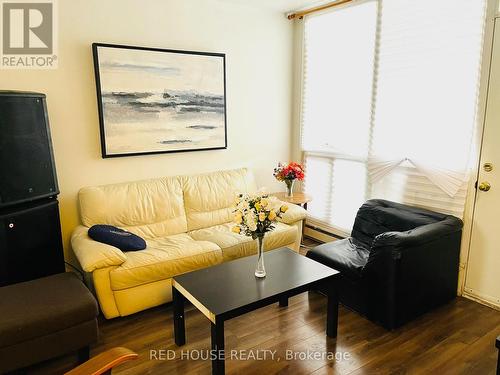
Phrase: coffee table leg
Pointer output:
(283, 302)
(179, 328)
(332, 314)
(498, 359)
(218, 365)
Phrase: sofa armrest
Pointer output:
(293, 214)
(92, 254)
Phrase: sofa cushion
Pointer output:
(43, 306)
(117, 237)
(163, 258)
(150, 208)
(347, 256)
(235, 245)
(209, 198)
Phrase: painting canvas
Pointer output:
(155, 101)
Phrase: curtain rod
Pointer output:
(304, 12)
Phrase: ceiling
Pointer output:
(278, 5)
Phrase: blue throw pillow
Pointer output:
(117, 237)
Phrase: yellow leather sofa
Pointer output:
(186, 222)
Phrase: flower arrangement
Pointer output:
(255, 215)
(288, 174)
(291, 171)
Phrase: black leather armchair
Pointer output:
(399, 262)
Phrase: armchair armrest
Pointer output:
(393, 245)
(293, 214)
(92, 254)
(104, 362)
(418, 236)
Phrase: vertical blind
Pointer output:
(389, 104)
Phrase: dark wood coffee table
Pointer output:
(230, 289)
(497, 344)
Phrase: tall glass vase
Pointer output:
(289, 188)
(260, 270)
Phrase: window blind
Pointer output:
(389, 105)
(338, 74)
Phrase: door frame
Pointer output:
(492, 13)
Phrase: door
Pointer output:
(483, 268)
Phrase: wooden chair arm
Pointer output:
(104, 362)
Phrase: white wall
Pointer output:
(258, 47)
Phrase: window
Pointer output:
(389, 105)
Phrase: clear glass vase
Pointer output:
(260, 270)
(289, 187)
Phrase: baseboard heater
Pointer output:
(320, 234)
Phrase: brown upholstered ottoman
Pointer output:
(45, 318)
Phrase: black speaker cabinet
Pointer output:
(30, 231)
(30, 242)
(27, 170)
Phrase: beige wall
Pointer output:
(258, 47)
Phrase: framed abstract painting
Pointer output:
(154, 100)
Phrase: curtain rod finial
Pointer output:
(291, 16)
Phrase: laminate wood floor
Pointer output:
(457, 338)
